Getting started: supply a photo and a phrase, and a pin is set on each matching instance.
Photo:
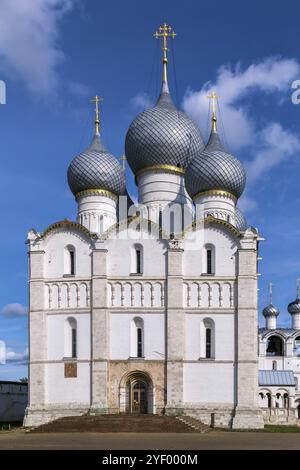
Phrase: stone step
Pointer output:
(123, 423)
(194, 423)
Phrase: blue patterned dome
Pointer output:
(162, 136)
(270, 311)
(240, 220)
(214, 168)
(95, 168)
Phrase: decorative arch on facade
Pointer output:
(209, 258)
(69, 260)
(126, 391)
(137, 258)
(70, 337)
(137, 337)
(275, 345)
(207, 338)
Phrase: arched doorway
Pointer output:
(136, 393)
(138, 397)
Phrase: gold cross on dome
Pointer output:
(213, 97)
(164, 32)
(97, 100)
(123, 158)
(298, 287)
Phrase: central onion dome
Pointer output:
(215, 169)
(96, 168)
(162, 136)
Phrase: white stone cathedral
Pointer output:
(155, 310)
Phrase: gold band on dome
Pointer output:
(97, 192)
(216, 192)
(172, 168)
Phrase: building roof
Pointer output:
(276, 377)
(11, 382)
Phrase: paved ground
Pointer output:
(213, 440)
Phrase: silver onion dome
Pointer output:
(96, 168)
(270, 311)
(162, 135)
(294, 307)
(240, 220)
(214, 168)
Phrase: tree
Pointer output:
(24, 380)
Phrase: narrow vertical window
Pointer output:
(208, 343)
(137, 338)
(138, 262)
(172, 223)
(74, 342)
(70, 338)
(69, 260)
(209, 261)
(274, 365)
(101, 225)
(72, 262)
(160, 218)
(139, 342)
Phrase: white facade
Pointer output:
(279, 352)
(173, 300)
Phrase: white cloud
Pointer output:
(273, 75)
(268, 146)
(141, 101)
(17, 357)
(247, 203)
(29, 49)
(276, 145)
(14, 310)
(78, 89)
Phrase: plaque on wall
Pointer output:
(70, 369)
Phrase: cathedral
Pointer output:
(151, 307)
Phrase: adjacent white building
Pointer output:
(150, 312)
(279, 363)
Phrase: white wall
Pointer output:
(54, 246)
(120, 335)
(225, 252)
(120, 253)
(224, 335)
(68, 390)
(56, 336)
(208, 383)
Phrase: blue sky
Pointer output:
(56, 54)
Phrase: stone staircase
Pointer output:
(124, 423)
(194, 423)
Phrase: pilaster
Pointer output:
(99, 331)
(175, 330)
(37, 330)
(247, 414)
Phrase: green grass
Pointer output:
(281, 428)
(9, 426)
(269, 428)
